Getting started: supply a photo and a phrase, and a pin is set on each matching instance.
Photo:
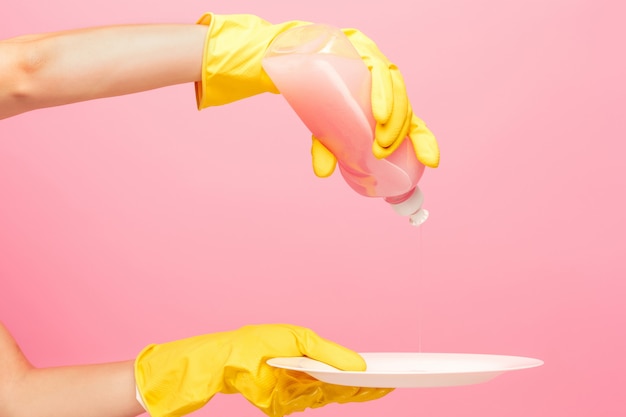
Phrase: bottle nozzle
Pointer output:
(412, 207)
(419, 217)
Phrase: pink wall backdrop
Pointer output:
(138, 219)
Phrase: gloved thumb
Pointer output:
(331, 353)
(324, 162)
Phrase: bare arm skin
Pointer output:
(65, 67)
(53, 69)
(102, 390)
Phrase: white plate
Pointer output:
(412, 370)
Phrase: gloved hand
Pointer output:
(391, 109)
(176, 378)
(232, 70)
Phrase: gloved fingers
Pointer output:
(324, 162)
(424, 143)
(324, 350)
(344, 394)
(391, 107)
(390, 103)
(396, 126)
(399, 131)
(297, 391)
(382, 94)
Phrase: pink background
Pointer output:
(138, 219)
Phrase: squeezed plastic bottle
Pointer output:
(323, 78)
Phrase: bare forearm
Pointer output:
(104, 390)
(71, 66)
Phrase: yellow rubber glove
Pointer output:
(179, 377)
(233, 50)
(232, 70)
(391, 109)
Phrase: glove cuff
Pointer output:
(139, 398)
(231, 63)
(167, 379)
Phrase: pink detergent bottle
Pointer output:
(323, 78)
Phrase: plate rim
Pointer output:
(531, 363)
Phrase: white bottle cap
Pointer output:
(412, 207)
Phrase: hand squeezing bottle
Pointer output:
(323, 78)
